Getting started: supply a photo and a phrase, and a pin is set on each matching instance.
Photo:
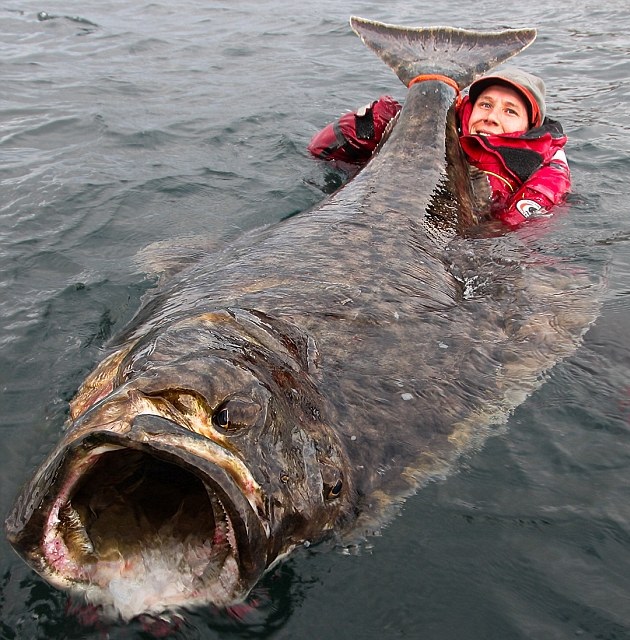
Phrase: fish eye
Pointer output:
(236, 414)
(334, 491)
(223, 418)
(332, 480)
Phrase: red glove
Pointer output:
(355, 135)
(544, 189)
(526, 204)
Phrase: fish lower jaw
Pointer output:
(136, 534)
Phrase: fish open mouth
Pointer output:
(145, 524)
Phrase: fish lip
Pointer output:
(245, 509)
(31, 527)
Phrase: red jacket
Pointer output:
(528, 173)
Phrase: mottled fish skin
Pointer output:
(301, 380)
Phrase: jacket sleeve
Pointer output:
(545, 188)
(353, 137)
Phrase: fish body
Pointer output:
(300, 381)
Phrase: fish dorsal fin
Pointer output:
(460, 54)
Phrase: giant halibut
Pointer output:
(301, 380)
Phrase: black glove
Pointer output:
(364, 122)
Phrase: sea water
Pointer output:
(124, 124)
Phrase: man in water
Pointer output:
(503, 131)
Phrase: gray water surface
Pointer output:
(123, 124)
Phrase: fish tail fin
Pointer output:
(460, 54)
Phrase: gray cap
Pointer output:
(531, 87)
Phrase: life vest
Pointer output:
(528, 172)
(514, 160)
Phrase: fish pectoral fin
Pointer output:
(481, 192)
(168, 257)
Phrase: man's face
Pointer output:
(497, 110)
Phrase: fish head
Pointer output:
(194, 458)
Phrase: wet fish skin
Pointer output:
(303, 379)
(165, 394)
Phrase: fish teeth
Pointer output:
(75, 533)
(225, 526)
(224, 541)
